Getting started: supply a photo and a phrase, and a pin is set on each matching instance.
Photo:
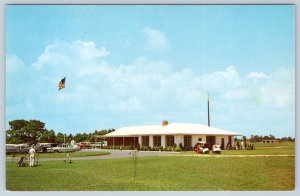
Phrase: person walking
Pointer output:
(31, 156)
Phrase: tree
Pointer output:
(15, 133)
(34, 130)
(23, 131)
(48, 137)
(60, 138)
(244, 138)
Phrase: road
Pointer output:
(114, 154)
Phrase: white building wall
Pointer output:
(151, 140)
(196, 137)
(179, 139)
(226, 140)
(232, 141)
(163, 140)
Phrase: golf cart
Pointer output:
(201, 148)
(216, 149)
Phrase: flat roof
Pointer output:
(170, 129)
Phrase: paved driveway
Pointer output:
(114, 154)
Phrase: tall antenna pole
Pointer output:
(208, 115)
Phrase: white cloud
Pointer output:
(14, 64)
(219, 80)
(256, 75)
(88, 50)
(65, 55)
(144, 89)
(156, 39)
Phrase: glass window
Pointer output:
(156, 140)
(187, 141)
(169, 140)
(145, 140)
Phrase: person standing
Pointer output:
(31, 156)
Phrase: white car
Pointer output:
(99, 144)
(63, 148)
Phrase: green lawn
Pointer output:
(62, 155)
(157, 173)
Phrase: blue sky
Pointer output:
(139, 65)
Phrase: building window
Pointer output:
(169, 140)
(199, 139)
(187, 141)
(156, 140)
(145, 140)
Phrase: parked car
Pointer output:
(42, 147)
(11, 148)
(17, 148)
(63, 148)
(83, 145)
(99, 144)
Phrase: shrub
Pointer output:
(168, 148)
(177, 149)
(155, 148)
(161, 148)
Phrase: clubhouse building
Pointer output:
(165, 134)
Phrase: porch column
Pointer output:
(140, 140)
(163, 140)
(151, 141)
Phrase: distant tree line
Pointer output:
(260, 138)
(34, 131)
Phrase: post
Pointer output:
(208, 115)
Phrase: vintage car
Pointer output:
(99, 144)
(83, 145)
(42, 147)
(17, 148)
(63, 148)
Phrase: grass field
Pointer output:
(161, 173)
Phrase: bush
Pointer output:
(177, 149)
(168, 148)
(155, 148)
(127, 147)
(145, 148)
(161, 148)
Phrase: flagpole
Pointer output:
(65, 116)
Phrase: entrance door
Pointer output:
(210, 140)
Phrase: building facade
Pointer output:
(165, 135)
